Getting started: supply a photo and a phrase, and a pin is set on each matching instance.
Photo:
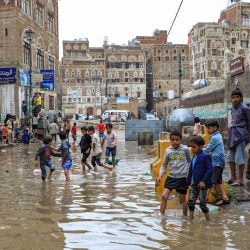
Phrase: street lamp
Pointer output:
(96, 76)
(29, 38)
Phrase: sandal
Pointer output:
(222, 202)
(237, 184)
(248, 174)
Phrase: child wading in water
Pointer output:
(85, 145)
(177, 156)
(216, 148)
(96, 149)
(66, 156)
(44, 154)
(199, 177)
(73, 133)
(111, 140)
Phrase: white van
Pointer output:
(115, 115)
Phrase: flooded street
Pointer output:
(102, 210)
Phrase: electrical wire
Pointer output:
(174, 20)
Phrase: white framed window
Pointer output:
(246, 20)
(39, 14)
(69, 90)
(50, 23)
(26, 7)
(213, 66)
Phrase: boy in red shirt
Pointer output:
(73, 132)
(4, 134)
(101, 129)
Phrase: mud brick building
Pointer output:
(29, 38)
(82, 78)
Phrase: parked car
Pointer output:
(149, 116)
(83, 117)
(115, 115)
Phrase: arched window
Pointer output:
(73, 74)
(100, 73)
(86, 73)
(213, 66)
(78, 73)
(27, 47)
(26, 7)
(40, 54)
(135, 74)
(67, 73)
(213, 44)
(141, 74)
(117, 75)
(79, 91)
(69, 90)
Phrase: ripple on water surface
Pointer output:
(102, 210)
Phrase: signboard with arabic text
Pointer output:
(48, 82)
(7, 75)
(237, 66)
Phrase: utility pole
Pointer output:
(180, 75)
(29, 34)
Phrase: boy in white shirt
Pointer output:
(96, 149)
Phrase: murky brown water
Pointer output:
(102, 210)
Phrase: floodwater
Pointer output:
(103, 210)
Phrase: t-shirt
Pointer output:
(101, 127)
(85, 143)
(96, 145)
(4, 131)
(73, 130)
(39, 100)
(110, 139)
(64, 148)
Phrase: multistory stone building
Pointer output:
(159, 37)
(212, 45)
(93, 77)
(169, 62)
(82, 78)
(126, 73)
(29, 40)
(219, 52)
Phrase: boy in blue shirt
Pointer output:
(66, 156)
(199, 176)
(215, 148)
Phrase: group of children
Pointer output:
(90, 143)
(201, 172)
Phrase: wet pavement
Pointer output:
(103, 210)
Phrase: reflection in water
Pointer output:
(102, 210)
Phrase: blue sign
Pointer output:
(122, 100)
(7, 75)
(48, 82)
(24, 77)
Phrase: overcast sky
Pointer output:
(123, 20)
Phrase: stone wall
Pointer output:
(132, 127)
